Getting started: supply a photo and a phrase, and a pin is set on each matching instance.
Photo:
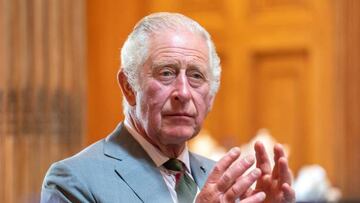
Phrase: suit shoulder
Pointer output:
(66, 179)
(62, 184)
(87, 155)
(203, 159)
(75, 164)
(84, 162)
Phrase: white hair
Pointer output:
(135, 49)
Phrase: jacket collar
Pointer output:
(199, 170)
(135, 167)
(139, 172)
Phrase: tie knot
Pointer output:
(174, 165)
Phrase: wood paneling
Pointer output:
(109, 23)
(288, 65)
(42, 51)
(347, 98)
(279, 82)
(279, 73)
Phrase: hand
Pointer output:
(227, 181)
(276, 182)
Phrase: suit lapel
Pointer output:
(199, 170)
(135, 167)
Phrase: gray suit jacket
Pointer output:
(114, 169)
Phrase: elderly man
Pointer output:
(169, 76)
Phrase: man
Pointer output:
(169, 76)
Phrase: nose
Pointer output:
(182, 89)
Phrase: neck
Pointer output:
(171, 151)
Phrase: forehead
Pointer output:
(178, 43)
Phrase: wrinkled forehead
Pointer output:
(181, 39)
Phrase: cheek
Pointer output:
(153, 98)
(203, 104)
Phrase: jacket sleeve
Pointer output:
(62, 184)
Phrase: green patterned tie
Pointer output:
(185, 187)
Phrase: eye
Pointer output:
(196, 78)
(197, 75)
(166, 73)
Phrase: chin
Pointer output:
(177, 137)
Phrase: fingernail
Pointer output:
(261, 196)
(235, 151)
(283, 159)
(278, 145)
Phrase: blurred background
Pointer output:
(290, 66)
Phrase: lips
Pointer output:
(178, 115)
(178, 119)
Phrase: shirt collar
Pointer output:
(155, 154)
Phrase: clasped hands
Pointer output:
(231, 180)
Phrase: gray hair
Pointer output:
(135, 49)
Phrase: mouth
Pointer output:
(179, 117)
(184, 115)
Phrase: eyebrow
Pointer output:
(172, 63)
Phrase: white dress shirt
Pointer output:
(159, 159)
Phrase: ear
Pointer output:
(211, 102)
(126, 88)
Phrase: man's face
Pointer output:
(175, 88)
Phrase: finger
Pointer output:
(278, 153)
(289, 193)
(223, 164)
(234, 172)
(284, 171)
(248, 193)
(264, 183)
(258, 197)
(241, 185)
(262, 159)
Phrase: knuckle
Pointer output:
(241, 166)
(216, 169)
(224, 182)
(205, 198)
(247, 181)
(208, 195)
(226, 178)
(236, 190)
(246, 162)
